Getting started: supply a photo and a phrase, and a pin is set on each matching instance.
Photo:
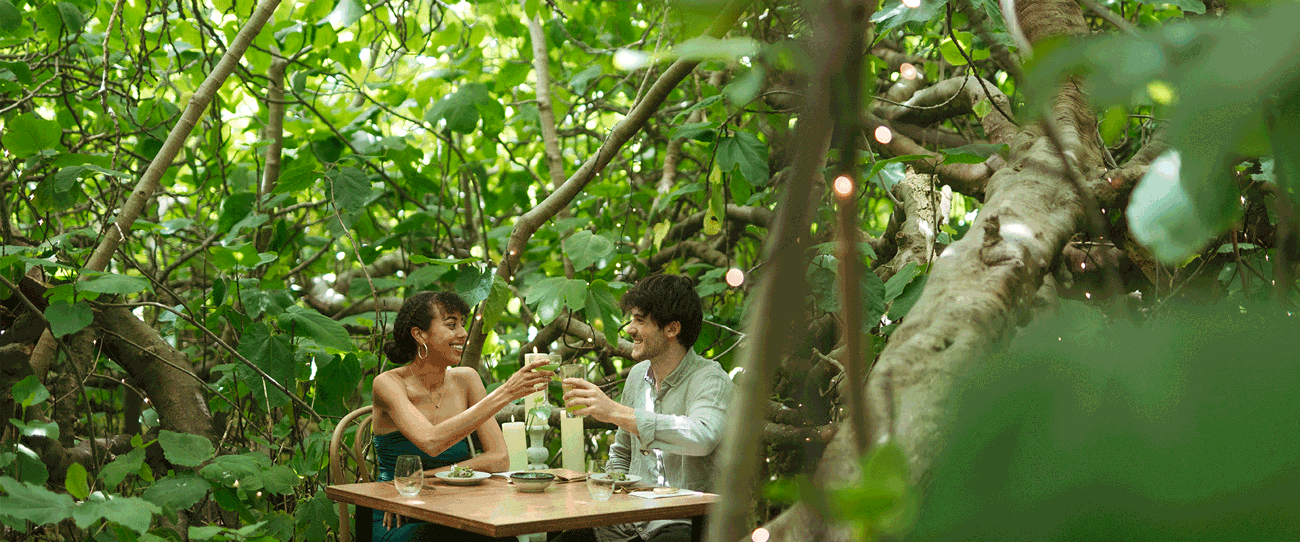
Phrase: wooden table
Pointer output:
(494, 508)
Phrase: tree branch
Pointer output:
(528, 224)
(780, 292)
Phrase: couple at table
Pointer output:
(670, 419)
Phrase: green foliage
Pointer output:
(745, 154)
(32, 502)
(1087, 429)
(75, 481)
(336, 382)
(315, 517)
(250, 472)
(585, 248)
(122, 466)
(185, 450)
(972, 154)
(66, 318)
(177, 492)
(29, 134)
(1217, 105)
(894, 14)
(28, 467)
(30, 391)
(320, 328)
(883, 502)
(112, 283)
(273, 354)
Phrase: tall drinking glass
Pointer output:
(540, 398)
(572, 370)
(408, 475)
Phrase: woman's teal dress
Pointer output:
(387, 448)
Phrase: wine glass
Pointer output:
(408, 475)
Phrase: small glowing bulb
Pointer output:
(907, 71)
(844, 184)
(1087, 295)
(236, 484)
(883, 135)
(760, 535)
(1083, 265)
(259, 494)
(912, 3)
(735, 277)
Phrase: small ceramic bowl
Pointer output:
(532, 482)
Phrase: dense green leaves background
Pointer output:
(412, 147)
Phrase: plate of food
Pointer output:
(462, 476)
(620, 478)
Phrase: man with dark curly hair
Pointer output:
(673, 406)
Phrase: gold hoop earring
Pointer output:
(423, 350)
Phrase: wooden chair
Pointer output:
(359, 453)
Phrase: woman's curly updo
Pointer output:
(418, 312)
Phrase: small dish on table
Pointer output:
(532, 481)
(474, 478)
(619, 481)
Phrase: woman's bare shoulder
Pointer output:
(466, 377)
(392, 376)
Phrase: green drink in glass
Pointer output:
(572, 370)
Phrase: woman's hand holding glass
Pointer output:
(526, 380)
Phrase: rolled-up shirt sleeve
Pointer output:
(699, 431)
(620, 452)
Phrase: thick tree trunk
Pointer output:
(982, 285)
(980, 289)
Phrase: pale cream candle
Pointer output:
(534, 400)
(516, 444)
(571, 449)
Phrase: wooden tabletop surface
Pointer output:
(495, 508)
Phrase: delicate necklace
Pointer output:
(442, 392)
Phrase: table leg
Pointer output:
(697, 528)
(361, 524)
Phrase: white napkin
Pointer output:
(652, 495)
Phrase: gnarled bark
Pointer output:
(979, 290)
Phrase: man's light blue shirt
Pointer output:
(680, 426)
